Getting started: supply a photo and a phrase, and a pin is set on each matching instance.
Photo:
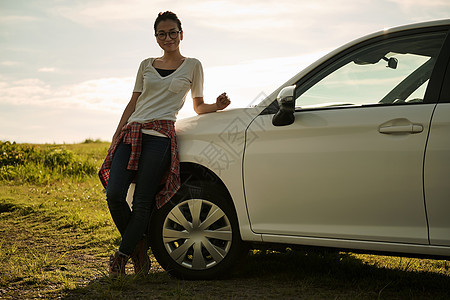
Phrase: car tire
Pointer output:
(196, 235)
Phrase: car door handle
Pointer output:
(410, 128)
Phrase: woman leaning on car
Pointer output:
(144, 146)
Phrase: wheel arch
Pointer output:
(192, 172)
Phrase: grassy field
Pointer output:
(56, 236)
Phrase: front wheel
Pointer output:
(196, 234)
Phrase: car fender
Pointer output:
(216, 142)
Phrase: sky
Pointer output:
(67, 68)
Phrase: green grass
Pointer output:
(44, 164)
(56, 236)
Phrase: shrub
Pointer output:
(91, 141)
(57, 158)
(13, 154)
(26, 163)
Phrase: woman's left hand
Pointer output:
(222, 101)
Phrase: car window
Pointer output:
(390, 71)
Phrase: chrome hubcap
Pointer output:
(197, 234)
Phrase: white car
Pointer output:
(354, 153)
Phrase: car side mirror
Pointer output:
(286, 101)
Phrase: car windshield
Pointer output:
(390, 71)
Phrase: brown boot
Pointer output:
(117, 263)
(140, 259)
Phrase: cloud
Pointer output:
(47, 70)
(421, 4)
(311, 22)
(24, 91)
(277, 19)
(122, 15)
(109, 94)
(53, 124)
(421, 10)
(100, 94)
(243, 17)
(32, 110)
(9, 63)
(16, 19)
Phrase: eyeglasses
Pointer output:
(172, 34)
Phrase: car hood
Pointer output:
(213, 124)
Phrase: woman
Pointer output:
(144, 148)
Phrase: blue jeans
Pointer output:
(153, 163)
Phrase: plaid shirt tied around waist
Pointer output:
(132, 134)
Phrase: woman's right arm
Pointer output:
(126, 114)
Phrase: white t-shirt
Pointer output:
(162, 97)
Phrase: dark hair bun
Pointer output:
(167, 15)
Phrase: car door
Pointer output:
(350, 166)
(437, 176)
(437, 160)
